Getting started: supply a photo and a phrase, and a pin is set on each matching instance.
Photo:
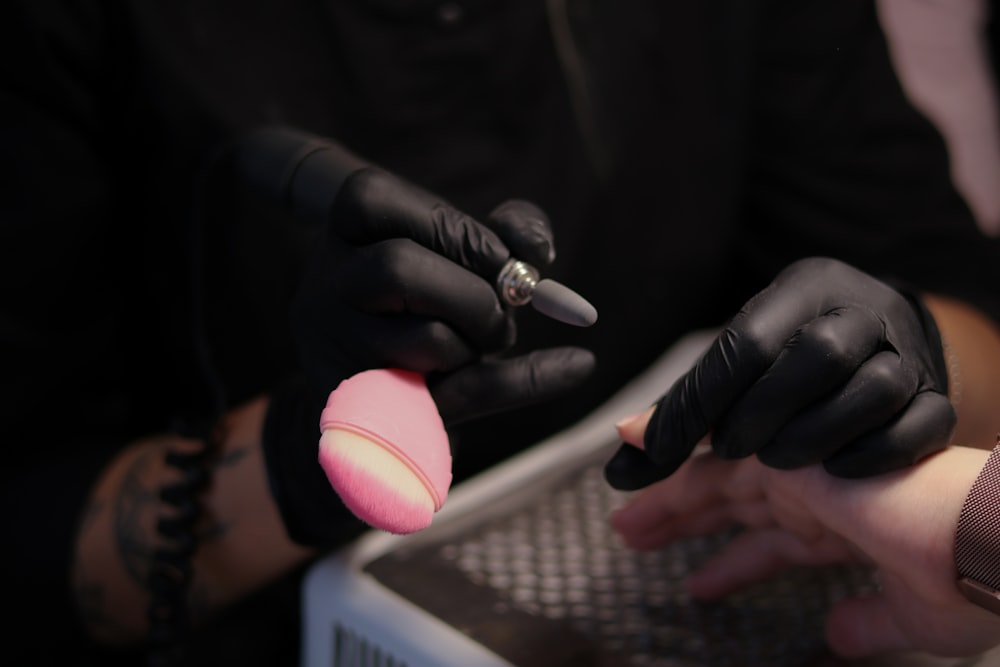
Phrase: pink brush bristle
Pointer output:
(385, 451)
(372, 497)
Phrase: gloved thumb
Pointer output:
(496, 385)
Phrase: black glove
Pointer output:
(407, 281)
(825, 364)
(404, 280)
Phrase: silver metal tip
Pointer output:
(559, 302)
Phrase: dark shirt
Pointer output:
(685, 153)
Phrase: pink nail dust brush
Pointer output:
(385, 450)
(384, 447)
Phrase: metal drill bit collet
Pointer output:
(518, 284)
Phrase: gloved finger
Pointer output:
(420, 345)
(821, 356)
(399, 277)
(922, 428)
(374, 205)
(737, 357)
(681, 418)
(526, 230)
(870, 399)
(492, 386)
(630, 469)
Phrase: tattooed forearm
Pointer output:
(117, 539)
(135, 510)
(90, 591)
(215, 528)
(233, 544)
(232, 458)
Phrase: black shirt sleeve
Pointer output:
(843, 164)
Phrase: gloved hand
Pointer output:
(405, 280)
(825, 364)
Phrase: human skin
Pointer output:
(973, 353)
(242, 544)
(902, 522)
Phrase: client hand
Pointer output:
(902, 522)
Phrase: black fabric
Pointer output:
(715, 143)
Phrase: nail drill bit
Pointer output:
(519, 284)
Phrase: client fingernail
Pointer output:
(625, 421)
